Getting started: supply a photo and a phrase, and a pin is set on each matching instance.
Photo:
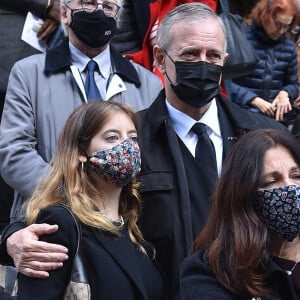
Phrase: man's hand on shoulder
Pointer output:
(33, 257)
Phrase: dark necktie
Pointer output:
(205, 154)
(91, 89)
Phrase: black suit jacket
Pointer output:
(166, 218)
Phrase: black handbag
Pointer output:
(242, 58)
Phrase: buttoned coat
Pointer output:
(166, 218)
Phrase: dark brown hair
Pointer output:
(235, 240)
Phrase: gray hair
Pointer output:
(185, 12)
(66, 28)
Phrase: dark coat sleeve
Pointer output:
(5, 259)
(197, 280)
(55, 285)
(37, 7)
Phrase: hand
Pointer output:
(264, 106)
(54, 12)
(46, 29)
(32, 257)
(282, 105)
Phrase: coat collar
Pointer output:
(58, 59)
(240, 120)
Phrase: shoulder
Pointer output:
(242, 118)
(67, 233)
(143, 72)
(31, 61)
(197, 280)
(196, 261)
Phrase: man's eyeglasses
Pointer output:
(109, 8)
(280, 26)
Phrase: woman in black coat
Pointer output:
(93, 175)
(250, 246)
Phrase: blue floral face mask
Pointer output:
(119, 164)
(279, 209)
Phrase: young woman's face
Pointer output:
(280, 169)
(118, 128)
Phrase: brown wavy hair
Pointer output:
(267, 10)
(235, 240)
(69, 184)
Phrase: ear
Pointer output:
(63, 14)
(159, 57)
(225, 58)
(82, 158)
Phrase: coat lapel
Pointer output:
(122, 256)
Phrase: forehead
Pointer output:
(277, 159)
(198, 34)
(118, 119)
(284, 18)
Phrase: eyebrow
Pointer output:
(292, 169)
(118, 131)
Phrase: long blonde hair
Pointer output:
(69, 184)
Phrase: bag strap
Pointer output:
(222, 8)
(76, 224)
(78, 270)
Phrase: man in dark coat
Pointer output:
(190, 52)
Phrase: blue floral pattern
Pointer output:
(279, 209)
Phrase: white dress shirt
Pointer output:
(183, 123)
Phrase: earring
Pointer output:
(82, 166)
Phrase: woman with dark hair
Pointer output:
(273, 86)
(250, 246)
(93, 175)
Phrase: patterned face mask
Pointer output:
(119, 164)
(279, 209)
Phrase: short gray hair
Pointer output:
(185, 12)
(66, 28)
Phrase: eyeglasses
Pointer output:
(109, 8)
(280, 26)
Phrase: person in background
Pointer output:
(250, 245)
(12, 18)
(273, 86)
(138, 25)
(44, 89)
(188, 120)
(93, 174)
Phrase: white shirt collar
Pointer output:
(183, 123)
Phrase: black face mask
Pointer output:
(197, 82)
(94, 29)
